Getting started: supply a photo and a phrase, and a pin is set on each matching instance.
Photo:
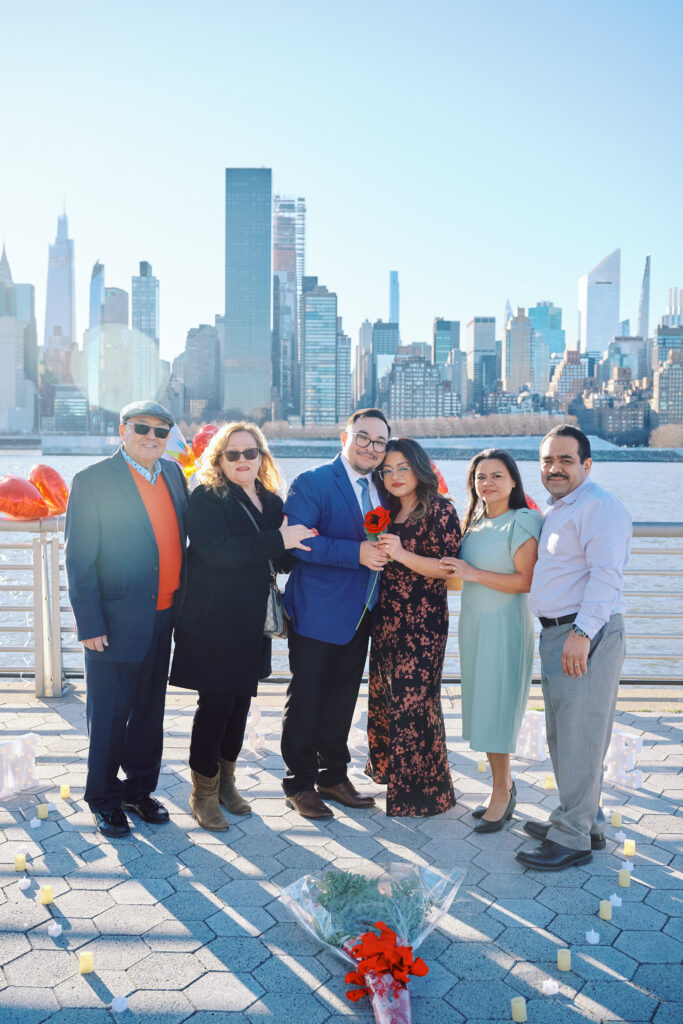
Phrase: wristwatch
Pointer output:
(580, 632)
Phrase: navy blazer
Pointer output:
(325, 593)
(112, 559)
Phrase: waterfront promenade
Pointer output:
(187, 924)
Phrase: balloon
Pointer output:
(531, 503)
(177, 451)
(20, 499)
(52, 487)
(443, 486)
(202, 438)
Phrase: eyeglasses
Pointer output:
(400, 471)
(364, 441)
(249, 453)
(144, 429)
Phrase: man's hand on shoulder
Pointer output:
(575, 654)
(372, 556)
(96, 643)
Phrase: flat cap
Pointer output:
(147, 408)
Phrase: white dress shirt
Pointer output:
(584, 546)
(354, 477)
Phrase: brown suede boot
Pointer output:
(227, 794)
(204, 803)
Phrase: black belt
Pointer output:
(562, 621)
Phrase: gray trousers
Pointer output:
(579, 713)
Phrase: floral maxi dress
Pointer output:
(406, 732)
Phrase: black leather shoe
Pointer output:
(483, 825)
(113, 824)
(552, 856)
(147, 808)
(539, 831)
(481, 810)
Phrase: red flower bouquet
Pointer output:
(404, 903)
(375, 523)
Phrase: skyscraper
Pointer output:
(18, 394)
(289, 255)
(481, 357)
(394, 301)
(60, 310)
(363, 370)
(517, 352)
(445, 337)
(599, 305)
(644, 304)
(546, 320)
(385, 342)
(145, 322)
(343, 374)
(248, 287)
(200, 371)
(319, 383)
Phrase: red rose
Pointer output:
(377, 520)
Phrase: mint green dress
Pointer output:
(495, 635)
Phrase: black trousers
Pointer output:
(321, 699)
(217, 730)
(125, 714)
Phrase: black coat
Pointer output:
(219, 641)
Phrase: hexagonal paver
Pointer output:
(247, 894)
(489, 1001)
(116, 952)
(129, 919)
(154, 1005)
(650, 947)
(148, 892)
(242, 955)
(34, 967)
(224, 991)
(617, 1001)
(81, 903)
(76, 932)
(165, 971)
(27, 1005)
(521, 913)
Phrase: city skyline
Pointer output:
(472, 191)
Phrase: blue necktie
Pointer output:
(366, 505)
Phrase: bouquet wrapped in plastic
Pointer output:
(402, 902)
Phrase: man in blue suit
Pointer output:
(325, 595)
(125, 564)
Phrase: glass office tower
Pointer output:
(248, 287)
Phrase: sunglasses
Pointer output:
(144, 428)
(249, 453)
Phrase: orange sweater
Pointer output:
(162, 515)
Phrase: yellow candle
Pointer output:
(629, 847)
(46, 894)
(42, 811)
(624, 878)
(85, 963)
(20, 862)
(605, 910)
(600, 801)
(564, 959)
(65, 791)
(518, 1007)
(481, 766)
(550, 782)
(616, 819)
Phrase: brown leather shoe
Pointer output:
(309, 804)
(344, 793)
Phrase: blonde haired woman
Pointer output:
(235, 527)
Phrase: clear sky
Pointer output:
(486, 150)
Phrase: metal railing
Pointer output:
(31, 565)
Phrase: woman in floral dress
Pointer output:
(406, 732)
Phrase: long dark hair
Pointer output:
(427, 482)
(475, 507)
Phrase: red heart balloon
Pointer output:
(52, 487)
(21, 499)
(202, 438)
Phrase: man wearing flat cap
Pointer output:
(125, 564)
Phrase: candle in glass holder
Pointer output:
(629, 847)
(65, 791)
(564, 959)
(615, 900)
(24, 883)
(42, 811)
(518, 1007)
(550, 782)
(20, 862)
(624, 878)
(605, 911)
(46, 894)
(550, 987)
(481, 766)
(592, 937)
(616, 819)
(54, 930)
(85, 963)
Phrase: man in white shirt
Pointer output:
(577, 593)
(325, 595)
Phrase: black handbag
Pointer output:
(275, 625)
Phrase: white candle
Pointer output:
(615, 900)
(24, 883)
(592, 937)
(550, 987)
(119, 1004)
(54, 930)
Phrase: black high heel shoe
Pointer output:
(481, 810)
(495, 826)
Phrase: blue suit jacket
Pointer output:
(112, 560)
(325, 593)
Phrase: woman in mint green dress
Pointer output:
(496, 633)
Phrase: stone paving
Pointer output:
(188, 926)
